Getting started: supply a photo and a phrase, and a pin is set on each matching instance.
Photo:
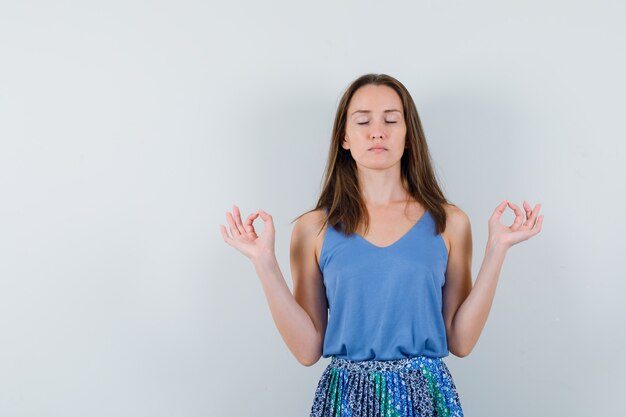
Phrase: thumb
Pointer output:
(266, 217)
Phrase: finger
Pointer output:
(538, 225)
(529, 213)
(238, 221)
(519, 216)
(232, 226)
(533, 218)
(527, 209)
(227, 238)
(250, 221)
(267, 219)
(497, 213)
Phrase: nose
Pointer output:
(376, 131)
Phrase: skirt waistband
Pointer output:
(404, 364)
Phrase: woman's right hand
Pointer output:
(244, 237)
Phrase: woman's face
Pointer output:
(375, 119)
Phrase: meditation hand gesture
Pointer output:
(245, 239)
(520, 230)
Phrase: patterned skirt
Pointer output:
(420, 386)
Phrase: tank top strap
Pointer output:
(331, 238)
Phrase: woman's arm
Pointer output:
(301, 335)
(466, 308)
(300, 317)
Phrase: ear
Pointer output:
(345, 144)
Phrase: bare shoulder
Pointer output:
(458, 225)
(308, 231)
(455, 213)
(310, 223)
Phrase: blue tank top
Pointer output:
(385, 302)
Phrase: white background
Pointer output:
(128, 129)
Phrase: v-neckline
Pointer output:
(398, 240)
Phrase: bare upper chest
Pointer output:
(386, 228)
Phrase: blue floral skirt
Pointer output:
(420, 386)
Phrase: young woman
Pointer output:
(381, 267)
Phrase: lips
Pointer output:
(377, 147)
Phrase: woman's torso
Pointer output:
(384, 288)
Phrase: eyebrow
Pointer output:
(369, 111)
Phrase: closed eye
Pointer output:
(364, 123)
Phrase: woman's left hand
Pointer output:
(520, 230)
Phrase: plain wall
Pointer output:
(128, 129)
